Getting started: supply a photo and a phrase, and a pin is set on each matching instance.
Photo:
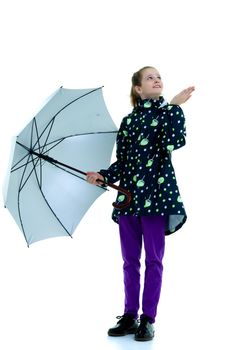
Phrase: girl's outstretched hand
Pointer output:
(93, 178)
(183, 96)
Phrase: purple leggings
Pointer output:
(152, 230)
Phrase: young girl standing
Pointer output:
(145, 141)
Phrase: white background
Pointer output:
(65, 293)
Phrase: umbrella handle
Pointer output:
(122, 190)
(125, 192)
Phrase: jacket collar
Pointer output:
(150, 103)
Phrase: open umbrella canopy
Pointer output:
(45, 197)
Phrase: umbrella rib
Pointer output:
(21, 166)
(25, 147)
(37, 132)
(21, 186)
(57, 141)
(32, 128)
(20, 218)
(38, 137)
(53, 118)
(47, 144)
(84, 134)
(27, 161)
(13, 167)
(46, 201)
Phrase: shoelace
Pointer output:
(124, 318)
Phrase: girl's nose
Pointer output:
(154, 78)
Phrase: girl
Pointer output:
(145, 140)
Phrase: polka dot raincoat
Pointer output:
(145, 141)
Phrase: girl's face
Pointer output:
(151, 84)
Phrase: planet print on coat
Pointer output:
(144, 141)
(154, 122)
(161, 180)
(121, 198)
(141, 182)
(147, 202)
(147, 104)
(149, 163)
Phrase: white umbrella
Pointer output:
(46, 194)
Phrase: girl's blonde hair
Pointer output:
(136, 81)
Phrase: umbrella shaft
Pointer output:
(51, 160)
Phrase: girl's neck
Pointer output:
(144, 97)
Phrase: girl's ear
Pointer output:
(138, 89)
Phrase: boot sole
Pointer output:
(144, 339)
(133, 331)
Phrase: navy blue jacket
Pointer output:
(145, 141)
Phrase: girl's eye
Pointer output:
(152, 77)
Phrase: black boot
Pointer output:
(145, 330)
(126, 325)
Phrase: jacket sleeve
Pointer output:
(113, 173)
(173, 128)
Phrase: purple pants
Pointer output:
(150, 229)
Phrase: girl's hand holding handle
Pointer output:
(93, 178)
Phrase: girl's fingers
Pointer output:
(190, 89)
(187, 98)
(187, 92)
(93, 178)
